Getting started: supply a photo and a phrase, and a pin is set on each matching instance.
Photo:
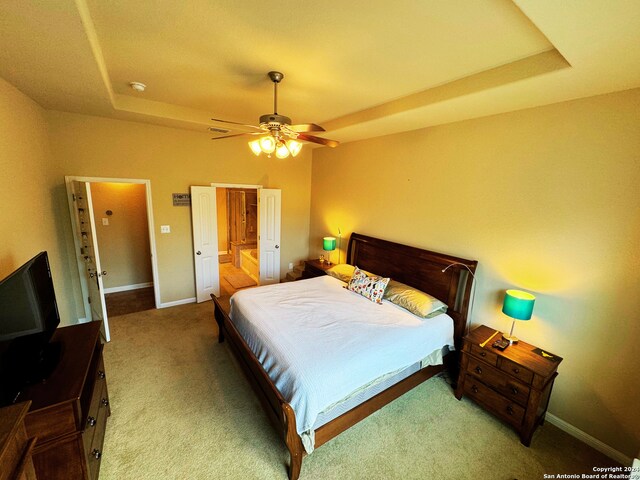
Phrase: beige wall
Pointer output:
(123, 243)
(173, 160)
(27, 206)
(547, 200)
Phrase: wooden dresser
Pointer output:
(15, 447)
(514, 384)
(69, 410)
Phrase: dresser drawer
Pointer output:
(516, 370)
(486, 355)
(91, 421)
(94, 453)
(504, 384)
(506, 409)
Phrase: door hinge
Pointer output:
(89, 298)
(73, 196)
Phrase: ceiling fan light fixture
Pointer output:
(254, 145)
(267, 144)
(282, 151)
(294, 147)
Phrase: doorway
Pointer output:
(238, 253)
(114, 241)
(207, 248)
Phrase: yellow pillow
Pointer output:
(342, 271)
(417, 302)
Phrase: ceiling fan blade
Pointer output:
(235, 135)
(238, 123)
(320, 140)
(306, 127)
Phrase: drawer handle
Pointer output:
(475, 389)
(91, 421)
(101, 374)
(516, 370)
(483, 354)
(96, 454)
(105, 402)
(510, 410)
(514, 390)
(478, 369)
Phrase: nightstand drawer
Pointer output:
(486, 355)
(501, 406)
(510, 388)
(516, 370)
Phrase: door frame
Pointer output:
(152, 238)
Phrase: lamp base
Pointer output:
(510, 338)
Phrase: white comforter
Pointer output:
(319, 342)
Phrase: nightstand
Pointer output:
(313, 268)
(514, 384)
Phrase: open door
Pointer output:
(205, 242)
(87, 254)
(269, 204)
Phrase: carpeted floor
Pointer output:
(182, 409)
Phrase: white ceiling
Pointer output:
(359, 68)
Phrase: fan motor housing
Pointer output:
(275, 118)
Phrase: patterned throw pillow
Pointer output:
(369, 287)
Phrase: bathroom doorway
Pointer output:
(237, 213)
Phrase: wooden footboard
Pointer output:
(279, 411)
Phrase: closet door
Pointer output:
(88, 255)
(269, 205)
(205, 242)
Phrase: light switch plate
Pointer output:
(165, 229)
(105, 221)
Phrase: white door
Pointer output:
(269, 203)
(205, 242)
(88, 255)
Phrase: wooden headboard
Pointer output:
(421, 269)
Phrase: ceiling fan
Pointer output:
(276, 133)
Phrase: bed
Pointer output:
(444, 276)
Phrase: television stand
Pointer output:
(45, 364)
(69, 408)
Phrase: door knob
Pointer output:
(104, 272)
(198, 252)
(277, 246)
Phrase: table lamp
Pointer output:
(519, 306)
(329, 245)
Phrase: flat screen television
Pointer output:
(28, 318)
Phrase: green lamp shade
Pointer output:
(518, 304)
(329, 244)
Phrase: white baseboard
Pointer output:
(589, 440)
(175, 303)
(126, 288)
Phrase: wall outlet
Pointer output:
(165, 229)
(291, 266)
(105, 221)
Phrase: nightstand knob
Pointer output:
(483, 354)
(478, 369)
(516, 370)
(105, 402)
(514, 390)
(101, 374)
(96, 454)
(91, 421)
(475, 389)
(510, 410)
